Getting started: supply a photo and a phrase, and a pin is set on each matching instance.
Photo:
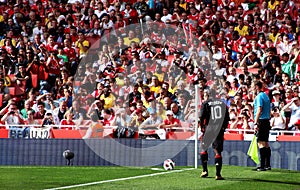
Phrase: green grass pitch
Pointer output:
(236, 178)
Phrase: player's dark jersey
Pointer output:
(214, 119)
(214, 112)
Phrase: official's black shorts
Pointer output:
(263, 130)
(218, 143)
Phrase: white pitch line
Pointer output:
(119, 179)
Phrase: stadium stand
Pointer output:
(122, 59)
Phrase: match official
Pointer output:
(262, 109)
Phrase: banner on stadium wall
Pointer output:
(17, 133)
(32, 133)
(40, 133)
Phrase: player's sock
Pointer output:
(204, 159)
(218, 162)
(262, 152)
(268, 157)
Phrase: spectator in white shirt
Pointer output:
(277, 122)
(166, 16)
(12, 118)
(294, 105)
(38, 29)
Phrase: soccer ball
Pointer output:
(169, 164)
(67, 154)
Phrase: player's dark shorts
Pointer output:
(263, 130)
(218, 143)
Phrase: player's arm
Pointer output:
(202, 118)
(256, 119)
(226, 119)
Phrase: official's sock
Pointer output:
(262, 157)
(218, 162)
(268, 157)
(204, 159)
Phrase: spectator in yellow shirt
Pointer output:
(161, 110)
(182, 4)
(155, 86)
(272, 4)
(159, 73)
(241, 28)
(108, 97)
(274, 33)
(9, 35)
(131, 37)
(82, 44)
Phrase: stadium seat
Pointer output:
(11, 76)
(288, 138)
(210, 82)
(136, 135)
(170, 58)
(34, 79)
(12, 91)
(253, 70)
(233, 137)
(20, 90)
(1, 99)
(94, 43)
(77, 83)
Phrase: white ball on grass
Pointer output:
(169, 164)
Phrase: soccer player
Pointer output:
(214, 119)
(262, 109)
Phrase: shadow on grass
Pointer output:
(263, 181)
(284, 171)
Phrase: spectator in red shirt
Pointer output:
(41, 111)
(194, 15)
(68, 120)
(108, 117)
(23, 78)
(170, 122)
(53, 67)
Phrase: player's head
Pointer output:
(258, 85)
(211, 93)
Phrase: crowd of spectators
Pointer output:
(135, 64)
